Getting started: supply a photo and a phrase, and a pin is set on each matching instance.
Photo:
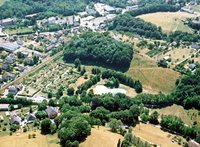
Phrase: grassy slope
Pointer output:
(101, 137)
(173, 20)
(188, 116)
(153, 77)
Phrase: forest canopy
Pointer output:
(21, 8)
(99, 49)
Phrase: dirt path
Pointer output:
(46, 61)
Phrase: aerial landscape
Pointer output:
(100, 73)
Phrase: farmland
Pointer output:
(101, 137)
(154, 135)
(49, 78)
(172, 20)
(188, 116)
(21, 139)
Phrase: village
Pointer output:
(31, 64)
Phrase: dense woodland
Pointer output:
(99, 49)
(20, 8)
(129, 24)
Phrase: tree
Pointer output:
(46, 126)
(138, 86)
(144, 117)
(115, 124)
(77, 62)
(49, 95)
(153, 118)
(10, 95)
(70, 91)
(52, 103)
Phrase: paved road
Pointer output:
(46, 61)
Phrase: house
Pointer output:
(8, 21)
(91, 11)
(52, 112)
(8, 76)
(167, 58)
(192, 66)
(5, 67)
(13, 90)
(4, 107)
(20, 42)
(110, 10)
(188, 10)
(15, 119)
(10, 59)
(30, 117)
(193, 143)
(195, 46)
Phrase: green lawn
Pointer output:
(18, 30)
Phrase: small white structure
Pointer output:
(101, 89)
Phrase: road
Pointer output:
(17, 80)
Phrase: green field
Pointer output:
(18, 31)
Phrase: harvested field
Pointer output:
(188, 116)
(22, 140)
(154, 135)
(101, 137)
(159, 79)
(173, 20)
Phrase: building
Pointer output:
(188, 10)
(10, 59)
(192, 66)
(52, 112)
(30, 117)
(195, 46)
(15, 119)
(193, 143)
(9, 47)
(4, 107)
(8, 21)
(13, 90)
(109, 9)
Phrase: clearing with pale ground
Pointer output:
(178, 54)
(172, 20)
(101, 137)
(22, 140)
(154, 135)
(188, 116)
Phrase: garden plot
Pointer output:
(50, 78)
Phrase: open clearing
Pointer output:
(172, 20)
(154, 135)
(101, 137)
(188, 116)
(156, 79)
(178, 54)
(21, 140)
